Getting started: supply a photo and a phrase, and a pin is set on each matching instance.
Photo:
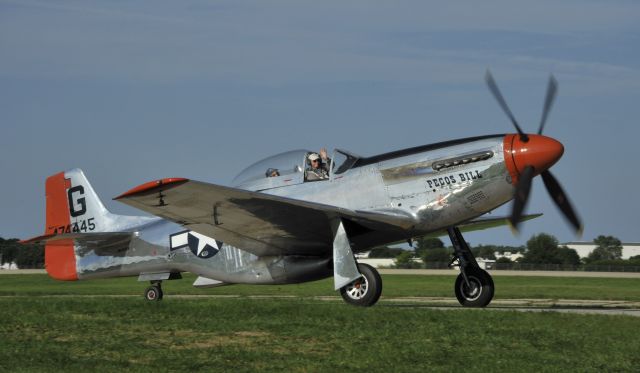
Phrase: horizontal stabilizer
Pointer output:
(63, 250)
(101, 238)
(102, 243)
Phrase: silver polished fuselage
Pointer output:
(409, 186)
(436, 187)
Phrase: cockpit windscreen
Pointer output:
(287, 163)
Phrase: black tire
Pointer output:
(365, 291)
(481, 291)
(153, 294)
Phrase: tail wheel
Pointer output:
(153, 293)
(478, 292)
(364, 291)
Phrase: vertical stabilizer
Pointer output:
(74, 207)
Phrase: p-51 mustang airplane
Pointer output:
(279, 228)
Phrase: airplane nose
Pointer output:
(539, 151)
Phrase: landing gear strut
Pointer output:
(474, 286)
(154, 292)
(364, 291)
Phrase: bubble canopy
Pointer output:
(287, 163)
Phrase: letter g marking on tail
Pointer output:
(78, 206)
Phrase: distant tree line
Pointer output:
(24, 256)
(433, 250)
(539, 249)
(385, 252)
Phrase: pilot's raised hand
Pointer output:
(323, 154)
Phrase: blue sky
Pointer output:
(132, 91)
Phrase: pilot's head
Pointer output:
(314, 160)
(272, 172)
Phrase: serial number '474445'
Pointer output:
(79, 226)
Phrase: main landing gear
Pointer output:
(364, 291)
(474, 286)
(154, 292)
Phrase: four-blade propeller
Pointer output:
(523, 187)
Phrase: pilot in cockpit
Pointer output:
(272, 172)
(318, 166)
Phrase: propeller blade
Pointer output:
(561, 200)
(552, 89)
(493, 87)
(521, 196)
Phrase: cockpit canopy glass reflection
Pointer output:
(293, 164)
(288, 163)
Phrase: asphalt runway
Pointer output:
(513, 273)
(582, 311)
(592, 307)
(573, 306)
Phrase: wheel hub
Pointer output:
(473, 291)
(357, 289)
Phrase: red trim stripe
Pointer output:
(152, 186)
(509, 159)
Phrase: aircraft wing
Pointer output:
(486, 222)
(482, 223)
(259, 223)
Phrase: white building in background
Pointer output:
(509, 255)
(378, 262)
(583, 249)
(9, 266)
(374, 262)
